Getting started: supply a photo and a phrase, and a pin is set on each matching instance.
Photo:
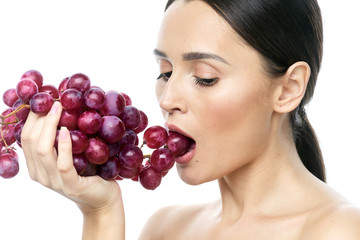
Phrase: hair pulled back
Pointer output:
(283, 32)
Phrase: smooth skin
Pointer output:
(243, 139)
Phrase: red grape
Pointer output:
(94, 98)
(136, 141)
(131, 117)
(89, 122)
(41, 103)
(35, 76)
(131, 157)
(177, 143)
(10, 97)
(80, 163)
(69, 120)
(8, 134)
(127, 99)
(162, 159)
(128, 138)
(63, 86)
(23, 113)
(79, 141)
(136, 178)
(114, 104)
(110, 169)
(143, 123)
(79, 81)
(127, 173)
(150, 178)
(112, 129)
(9, 165)
(17, 131)
(90, 170)
(155, 137)
(25, 89)
(10, 151)
(72, 100)
(9, 118)
(97, 151)
(114, 149)
(50, 89)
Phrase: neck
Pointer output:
(271, 185)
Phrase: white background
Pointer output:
(112, 42)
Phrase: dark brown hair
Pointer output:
(283, 32)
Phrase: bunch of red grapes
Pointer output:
(104, 128)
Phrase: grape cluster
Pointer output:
(104, 128)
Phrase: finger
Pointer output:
(27, 137)
(45, 145)
(48, 131)
(65, 164)
(30, 121)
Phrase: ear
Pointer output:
(291, 88)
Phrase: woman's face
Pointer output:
(228, 114)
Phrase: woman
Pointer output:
(235, 77)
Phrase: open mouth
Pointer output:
(191, 146)
(182, 146)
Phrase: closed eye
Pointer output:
(205, 81)
(165, 76)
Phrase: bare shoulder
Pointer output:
(340, 220)
(168, 221)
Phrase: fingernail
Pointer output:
(63, 134)
(55, 108)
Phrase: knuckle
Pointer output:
(46, 184)
(44, 181)
(33, 176)
(69, 192)
(63, 168)
(42, 152)
(57, 188)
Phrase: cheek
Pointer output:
(234, 120)
(229, 107)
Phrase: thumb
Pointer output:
(65, 163)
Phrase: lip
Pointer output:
(185, 158)
(174, 128)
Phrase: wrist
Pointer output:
(107, 222)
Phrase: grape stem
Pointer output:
(147, 156)
(2, 122)
(2, 138)
(13, 112)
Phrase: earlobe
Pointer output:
(292, 87)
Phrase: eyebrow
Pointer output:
(190, 56)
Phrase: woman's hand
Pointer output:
(98, 199)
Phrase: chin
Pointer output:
(191, 175)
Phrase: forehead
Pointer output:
(195, 26)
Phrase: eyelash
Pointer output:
(165, 76)
(205, 81)
(200, 81)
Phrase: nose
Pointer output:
(171, 95)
